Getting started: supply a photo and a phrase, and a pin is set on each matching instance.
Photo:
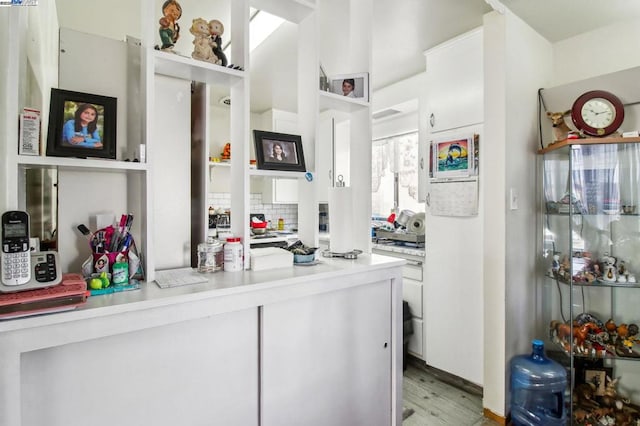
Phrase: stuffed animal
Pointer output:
(216, 29)
(560, 129)
(202, 43)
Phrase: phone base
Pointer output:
(45, 272)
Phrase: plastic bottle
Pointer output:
(538, 385)
(233, 255)
(280, 224)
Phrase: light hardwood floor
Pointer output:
(436, 402)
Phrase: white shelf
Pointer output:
(291, 10)
(276, 173)
(80, 164)
(219, 164)
(174, 65)
(334, 101)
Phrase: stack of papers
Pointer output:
(178, 277)
(270, 258)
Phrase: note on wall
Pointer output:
(454, 198)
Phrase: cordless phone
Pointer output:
(16, 256)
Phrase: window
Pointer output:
(394, 175)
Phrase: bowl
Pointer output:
(259, 231)
(259, 225)
(304, 258)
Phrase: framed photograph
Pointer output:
(598, 378)
(453, 157)
(278, 151)
(81, 125)
(351, 85)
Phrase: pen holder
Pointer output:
(103, 260)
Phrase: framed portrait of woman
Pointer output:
(81, 125)
(278, 151)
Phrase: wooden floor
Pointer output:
(436, 402)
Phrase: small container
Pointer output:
(210, 256)
(280, 224)
(120, 274)
(233, 255)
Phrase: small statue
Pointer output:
(216, 29)
(202, 44)
(169, 28)
(560, 129)
(226, 152)
(555, 264)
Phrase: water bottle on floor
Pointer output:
(537, 389)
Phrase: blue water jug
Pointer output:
(538, 385)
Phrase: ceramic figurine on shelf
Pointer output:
(202, 44)
(226, 152)
(216, 29)
(609, 271)
(169, 27)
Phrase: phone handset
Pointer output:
(16, 257)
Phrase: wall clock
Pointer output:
(597, 113)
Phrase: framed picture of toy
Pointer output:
(598, 378)
(81, 125)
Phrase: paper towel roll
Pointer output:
(340, 219)
(416, 224)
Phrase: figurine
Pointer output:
(560, 129)
(169, 28)
(216, 29)
(202, 44)
(226, 152)
(609, 270)
(555, 265)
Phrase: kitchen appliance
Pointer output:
(269, 238)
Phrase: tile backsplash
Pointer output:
(272, 212)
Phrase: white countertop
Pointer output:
(220, 284)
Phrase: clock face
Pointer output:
(597, 113)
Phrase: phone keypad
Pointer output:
(16, 268)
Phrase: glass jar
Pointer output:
(210, 256)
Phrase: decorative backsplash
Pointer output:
(272, 212)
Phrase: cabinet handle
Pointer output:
(422, 163)
(428, 199)
(330, 175)
(386, 344)
(432, 120)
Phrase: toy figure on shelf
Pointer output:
(216, 29)
(202, 44)
(169, 28)
(609, 271)
(226, 152)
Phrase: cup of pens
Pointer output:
(111, 251)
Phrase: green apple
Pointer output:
(105, 280)
(95, 283)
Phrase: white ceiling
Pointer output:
(402, 31)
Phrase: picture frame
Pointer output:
(453, 157)
(360, 86)
(291, 157)
(598, 378)
(95, 139)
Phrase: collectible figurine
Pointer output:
(169, 28)
(216, 29)
(202, 44)
(226, 152)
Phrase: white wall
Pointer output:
(602, 51)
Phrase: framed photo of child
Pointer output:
(279, 151)
(81, 125)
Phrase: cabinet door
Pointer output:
(324, 155)
(455, 83)
(197, 372)
(326, 359)
(280, 191)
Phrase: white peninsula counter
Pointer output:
(306, 345)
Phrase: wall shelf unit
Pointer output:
(74, 163)
(337, 102)
(173, 65)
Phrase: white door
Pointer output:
(326, 359)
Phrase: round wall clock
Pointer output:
(597, 113)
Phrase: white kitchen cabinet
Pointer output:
(325, 359)
(188, 372)
(280, 191)
(412, 292)
(455, 83)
